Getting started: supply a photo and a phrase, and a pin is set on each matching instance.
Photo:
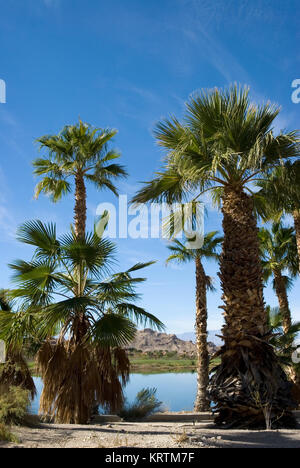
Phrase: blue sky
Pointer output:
(125, 64)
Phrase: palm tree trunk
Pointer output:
(282, 296)
(80, 205)
(296, 215)
(249, 381)
(80, 227)
(82, 410)
(202, 403)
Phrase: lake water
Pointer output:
(176, 390)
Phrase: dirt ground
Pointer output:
(153, 435)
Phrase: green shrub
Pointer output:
(6, 435)
(14, 403)
(145, 403)
(172, 354)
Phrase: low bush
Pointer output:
(6, 435)
(14, 403)
(144, 405)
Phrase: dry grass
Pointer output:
(180, 438)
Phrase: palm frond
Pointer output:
(41, 236)
(223, 140)
(139, 316)
(113, 330)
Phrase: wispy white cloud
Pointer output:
(283, 122)
(127, 188)
(51, 3)
(8, 224)
(7, 117)
(11, 133)
(196, 27)
(175, 266)
(144, 93)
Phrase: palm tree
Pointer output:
(182, 254)
(80, 153)
(283, 340)
(67, 291)
(280, 194)
(223, 145)
(14, 372)
(279, 254)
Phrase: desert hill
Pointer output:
(149, 340)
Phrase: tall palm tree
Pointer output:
(279, 254)
(223, 144)
(80, 153)
(182, 254)
(67, 291)
(280, 194)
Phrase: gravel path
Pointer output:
(153, 435)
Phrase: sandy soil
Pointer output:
(153, 435)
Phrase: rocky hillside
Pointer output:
(149, 340)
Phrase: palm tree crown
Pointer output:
(279, 194)
(224, 141)
(278, 250)
(280, 191)
(284, 343)
(279, 255)
(209, 250)
(79, 152)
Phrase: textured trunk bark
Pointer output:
(249, 381)
(80, 206)
(296, 216)
(202, 403)
(240, 269)
(82, 412)
(282, 296)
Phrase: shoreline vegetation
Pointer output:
(155, 363)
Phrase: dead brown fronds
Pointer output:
(76, 377)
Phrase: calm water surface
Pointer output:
(177, 391)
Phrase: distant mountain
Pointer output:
(150, 340)
(190, 336)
